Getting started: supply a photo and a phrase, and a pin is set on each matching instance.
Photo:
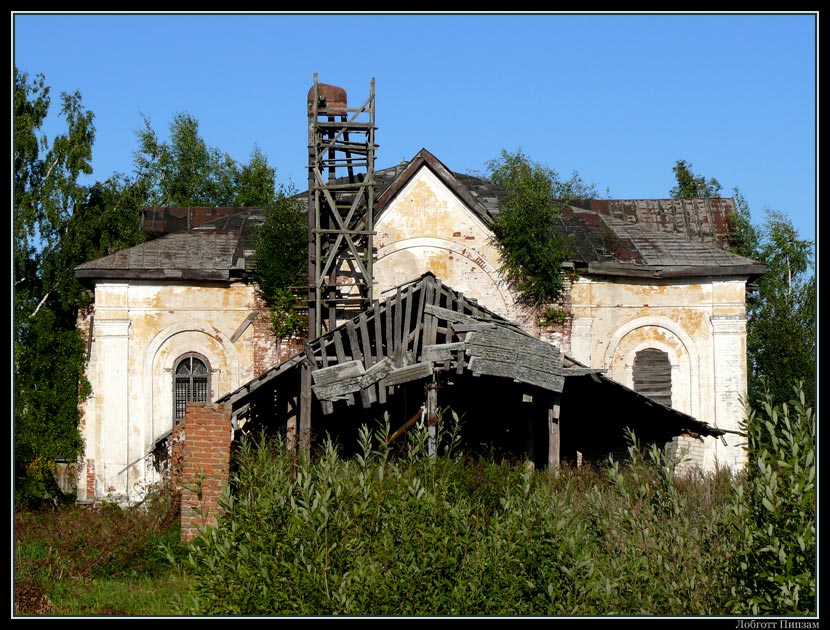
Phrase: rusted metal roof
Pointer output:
(608, 244)
(215, 250)
(162, 220)
(656, 238)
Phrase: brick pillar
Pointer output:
(205, 456)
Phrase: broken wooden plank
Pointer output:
(418, 323)
(354, 344)
(341, 358)
(396, 355)
(409, 373)
(378, 345)
(443, 351)
(521, 373)
(430, 320)
(513, 357)
(573, 371)
(364, 337)
(474, 327)
(406, 304)
(449, 315)
(357, 355)
(337, 372)
(340, 389)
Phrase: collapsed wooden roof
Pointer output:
(425, 329)
(423, 326)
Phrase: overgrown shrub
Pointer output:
(773, 514)
(83, 544)
(407, 533)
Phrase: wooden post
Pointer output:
(553, 434)
(291, 432)
(432, 416)
(305, 407)
(530, 446)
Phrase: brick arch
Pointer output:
(659, 333)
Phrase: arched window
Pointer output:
(652, 375)
(191, 383)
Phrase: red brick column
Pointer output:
(205, 456)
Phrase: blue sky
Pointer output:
(619, 98)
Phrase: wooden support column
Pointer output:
(291, 430)
(432, 416)
(305, 407)
(530, 441)
(553, 434)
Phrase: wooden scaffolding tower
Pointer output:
(341, 197)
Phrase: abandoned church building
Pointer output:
(409, 318)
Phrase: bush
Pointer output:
(82, 545)
(380, 534)
(773, 514)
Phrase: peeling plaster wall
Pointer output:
(701, 325)
(427, 228)
(140, 329)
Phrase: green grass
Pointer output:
(103, 560)
(409, 534)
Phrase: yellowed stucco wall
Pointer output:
(428, 228)
(701, 325)
(140, 329)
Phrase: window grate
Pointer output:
(191, 384)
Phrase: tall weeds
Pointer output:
(450, 534)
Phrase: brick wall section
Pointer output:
(90, 479)
(268, 351)
(263, 340)
(205, 457)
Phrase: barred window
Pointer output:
(191, 383)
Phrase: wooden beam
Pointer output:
(432, 417)
(378, 345)
(409, 373)
(341, 358)
(305, 407)
(554, 434)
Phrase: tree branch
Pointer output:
(39, 305)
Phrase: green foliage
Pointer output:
(49, 363)
(781, 316)
(531, 197)
(187, 172)
(97, 559)
(773, 514)
(552, 316)
(48, 350)
(782, 322)
(281, 261)
(691, 186)
(335, 536)
(327, 536)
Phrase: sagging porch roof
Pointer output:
(423, 327)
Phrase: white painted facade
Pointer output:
(700, 324)
(141, 328)
(139, 331)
